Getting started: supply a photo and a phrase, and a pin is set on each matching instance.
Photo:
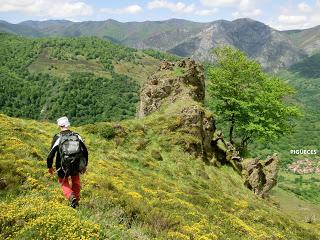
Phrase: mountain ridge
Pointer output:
(278, 49)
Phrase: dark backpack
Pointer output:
(72, 159)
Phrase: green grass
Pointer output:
(141, 182)
(140, 70)
(128, 193)
(178, 71)
(294, 206)
(305, 187)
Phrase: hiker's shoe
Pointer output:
(73, 201)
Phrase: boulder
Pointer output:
(260, 177)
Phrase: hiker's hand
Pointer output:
(50, 170)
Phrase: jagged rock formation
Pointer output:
(182, 81)
(259, 176)
(182, 85)
(168, 85)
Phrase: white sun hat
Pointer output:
(63, 122)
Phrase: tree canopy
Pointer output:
(253, 103)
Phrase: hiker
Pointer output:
(71, 160)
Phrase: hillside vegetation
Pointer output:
(47, 78)
(304, 78)
(129, 192)
(142, 183)
(147, 178)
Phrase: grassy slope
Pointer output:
(296, 207)
(143, 66)
(62, 69)
(305, 187)
(138, 72)
(127, 193)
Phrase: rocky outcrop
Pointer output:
(181, 81)
(172, 80)
(182, 85)
(259, 176)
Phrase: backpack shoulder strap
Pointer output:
(56, 143)
(77, 134)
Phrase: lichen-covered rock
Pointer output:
(170, 83)
(271, 172)
(165, 65)
(224, 152)
(181, 81)
(260, 177)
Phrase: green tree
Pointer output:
(251, 102)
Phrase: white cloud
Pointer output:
(206, 12)
(47, 9)
(285, 22)
(243, 8)
(243, 4)
(303, 7)
(292, 20)
(181, 7)
(178, 7)
(252, 13)
(132, 9)
(282, 26)
(300, 16)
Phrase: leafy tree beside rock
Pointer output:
(251, 102)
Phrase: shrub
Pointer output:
(107, 132)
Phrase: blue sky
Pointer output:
(282, 14)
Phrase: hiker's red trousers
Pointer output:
(75, 187)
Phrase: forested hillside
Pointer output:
(47, 78)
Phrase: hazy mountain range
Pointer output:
(272, 48)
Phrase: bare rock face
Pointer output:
(260, 177)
